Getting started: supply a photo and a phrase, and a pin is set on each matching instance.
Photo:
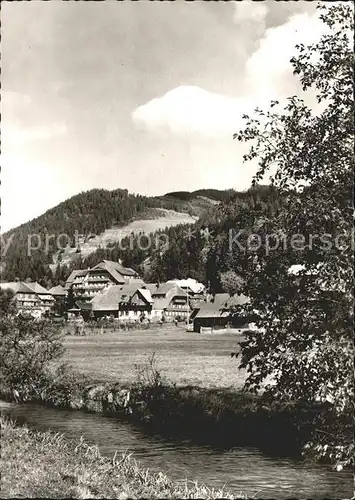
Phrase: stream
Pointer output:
(246, 472)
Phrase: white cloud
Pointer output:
(188, 109)
(268, 75)
(268, 70)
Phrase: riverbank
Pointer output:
(46, 465)
(213, 417)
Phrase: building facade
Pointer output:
(30, 298)
(86, 284)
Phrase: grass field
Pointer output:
(184, 358)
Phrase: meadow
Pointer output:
(183, 358)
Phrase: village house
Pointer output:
(169, 301)
(191, 286)
(128, 302)
(218, 313)
(86, 284)
(58, 292)
(30, 298)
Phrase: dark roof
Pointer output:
(221, 305)
(210, 310)
(25, 287)
(164, 288)
(151, 287)
(33, 288)
(128, 271)
(110, 265)
(115, 269)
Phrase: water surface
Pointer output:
(244, 471)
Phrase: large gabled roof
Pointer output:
(221, 305)
(115, 269)
(125, 271)
(110, 266)
(57, 290)
(225, 300)
(132, 286)
(146, 295)
(37, 288)
(16, 287)
(103, 266)
(163, 301)
(32, 288)
(163, 288)
(110, 298)
(152, 287)
(211, 310)
(25, 287)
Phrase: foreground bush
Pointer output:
(306, 353)
(27, 347)
(45, 465)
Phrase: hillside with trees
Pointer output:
(199, 250)
(87, 213)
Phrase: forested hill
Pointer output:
(90, 212)
(190, 251)
(212, 194)
(98, 212)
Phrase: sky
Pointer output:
(143, 96)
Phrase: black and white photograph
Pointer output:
(177, 249)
